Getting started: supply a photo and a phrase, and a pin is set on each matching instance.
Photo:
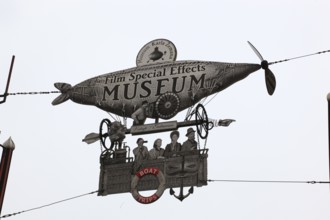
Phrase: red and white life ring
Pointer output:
(161, 187)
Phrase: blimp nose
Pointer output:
(84, 93)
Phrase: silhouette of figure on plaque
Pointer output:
(140, 115)
(190, 143)
(156, 55)
(174, 147)
(157, 152)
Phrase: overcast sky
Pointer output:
(283, 137)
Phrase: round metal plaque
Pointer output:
(156, 51)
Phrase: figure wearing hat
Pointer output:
(140, 115)
(141, 152)
(190, 143)
(172, 148)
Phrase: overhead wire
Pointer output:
(268, 181)
(196, 89)
(50, 204)
(33, 93)
(209, 180)
(298, 57)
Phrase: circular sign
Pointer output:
(143, 172)
(156, 51)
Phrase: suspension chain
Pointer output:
(33, 93)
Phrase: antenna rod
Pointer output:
(8, 80)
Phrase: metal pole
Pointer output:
(8, 81)
(8, 148)
(328, 98)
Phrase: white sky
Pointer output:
(283, 137)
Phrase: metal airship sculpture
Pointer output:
(158, 88)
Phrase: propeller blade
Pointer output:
(256, 51)
(91, 138)
(270, 81)
(269, 76)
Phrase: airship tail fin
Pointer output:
(64, 88)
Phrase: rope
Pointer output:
(188, 114)
(111, 116)
(203, 100)
(212, 98)
(312, 54)
(271, 181)
(50, 204)
(32, 93)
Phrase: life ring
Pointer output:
(161, 187)
(167, 105)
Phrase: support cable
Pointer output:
(50, 204)
(209, 180)
(33, 93)
(293, 58)
(270, 181)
